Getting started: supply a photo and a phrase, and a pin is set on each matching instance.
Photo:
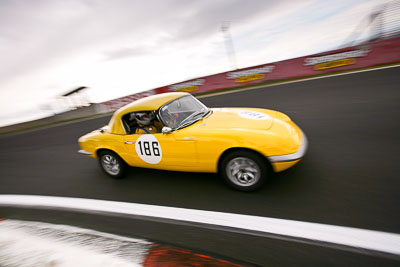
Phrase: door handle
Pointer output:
(128, 143)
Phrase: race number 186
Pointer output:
(148, 149)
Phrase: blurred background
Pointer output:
(58, 55)
(69, 60)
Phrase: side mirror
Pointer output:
(166, 130)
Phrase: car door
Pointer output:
(131, 156)
(179, 150)
(172, 151)
(140, 149)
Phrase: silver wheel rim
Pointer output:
(110, 164)
(243, 171)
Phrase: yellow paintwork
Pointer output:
(199, 146)
(281, 166)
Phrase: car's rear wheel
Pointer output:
(244, 170)
(112, 164)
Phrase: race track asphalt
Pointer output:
(350, 175)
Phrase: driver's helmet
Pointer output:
(144, 118)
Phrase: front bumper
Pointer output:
(293, 156)
(84, 152)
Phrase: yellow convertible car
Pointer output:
(175, 131)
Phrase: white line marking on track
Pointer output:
(347, 236)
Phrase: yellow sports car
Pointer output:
(175, 131)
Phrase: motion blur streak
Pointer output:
(28, 244)
(346, 236)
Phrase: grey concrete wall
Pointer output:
(62, 117)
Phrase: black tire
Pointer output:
(244, 170)
(112, 164)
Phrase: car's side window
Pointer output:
(141, 122)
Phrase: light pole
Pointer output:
(229, 44)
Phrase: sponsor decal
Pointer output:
(335, 60)
(189, 86)
(250, 74)
(160, 255)
(148, 149)
(253, 115)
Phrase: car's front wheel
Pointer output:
(244, 170)
(112, 164)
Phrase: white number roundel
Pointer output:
(148, 149)
(253, 115)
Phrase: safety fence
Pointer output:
(354, 57)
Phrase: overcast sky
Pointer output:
(119, 47)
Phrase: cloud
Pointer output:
(124, 46)
(45, 34)
(126, 52)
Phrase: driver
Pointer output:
(147, 123)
